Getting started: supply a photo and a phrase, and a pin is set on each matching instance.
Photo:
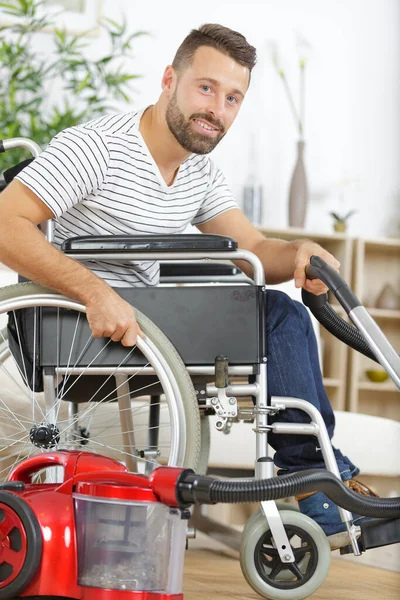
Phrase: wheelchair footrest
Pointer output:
(379, 532)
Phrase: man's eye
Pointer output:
(231, 99)
(205, 88)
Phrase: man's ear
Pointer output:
(168, 80)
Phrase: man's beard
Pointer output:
(190, 140)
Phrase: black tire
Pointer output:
(34, 544)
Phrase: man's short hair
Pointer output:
(221, 38)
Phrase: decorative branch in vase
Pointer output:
(298, 191)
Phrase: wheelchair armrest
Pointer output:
(149, 243)
(201, 272)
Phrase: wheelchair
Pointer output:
(203, 351)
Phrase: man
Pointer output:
(148, 172)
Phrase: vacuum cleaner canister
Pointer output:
(101, 534)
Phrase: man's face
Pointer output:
(206, 100)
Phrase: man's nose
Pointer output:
(217, 107)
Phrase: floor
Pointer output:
(216, 574)
(212, 571)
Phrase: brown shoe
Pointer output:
(360, 488)
(353, 484)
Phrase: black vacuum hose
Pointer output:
(324, 313)
(343, 331)
(192, 488)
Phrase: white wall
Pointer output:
(352, 99)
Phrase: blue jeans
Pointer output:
(293, 370)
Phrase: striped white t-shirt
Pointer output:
(99, 178)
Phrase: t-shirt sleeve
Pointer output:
(218, 198)
(72, 167)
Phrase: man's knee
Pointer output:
(302, 310)
(280, 308)
(276, 298)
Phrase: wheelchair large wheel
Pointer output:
(142, 415)
(267, 574)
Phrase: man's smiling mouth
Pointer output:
(205, 125)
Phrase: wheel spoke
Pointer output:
(294, 568)
(276, 569)
(23, 388)
(25, 452)
(300, 553)
(269, 551)
(24, 437)
(61, 395)
(67, 375)
(17, 418)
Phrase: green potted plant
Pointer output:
(340, 221)
(43, 92)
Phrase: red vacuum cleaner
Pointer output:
(107, 534)
(102, 534)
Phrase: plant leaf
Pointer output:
(43, 93)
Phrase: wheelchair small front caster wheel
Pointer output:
(267, 574)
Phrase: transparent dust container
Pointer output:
(128, 545)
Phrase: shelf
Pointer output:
(291, 233)
(376, 313)
(385, 244)
(331, 382)
(388, 386)
(384, 313)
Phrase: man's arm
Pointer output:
(24, 249)
(282, 260)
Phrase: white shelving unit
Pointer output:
(376, 263)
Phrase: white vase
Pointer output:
(298, 194)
